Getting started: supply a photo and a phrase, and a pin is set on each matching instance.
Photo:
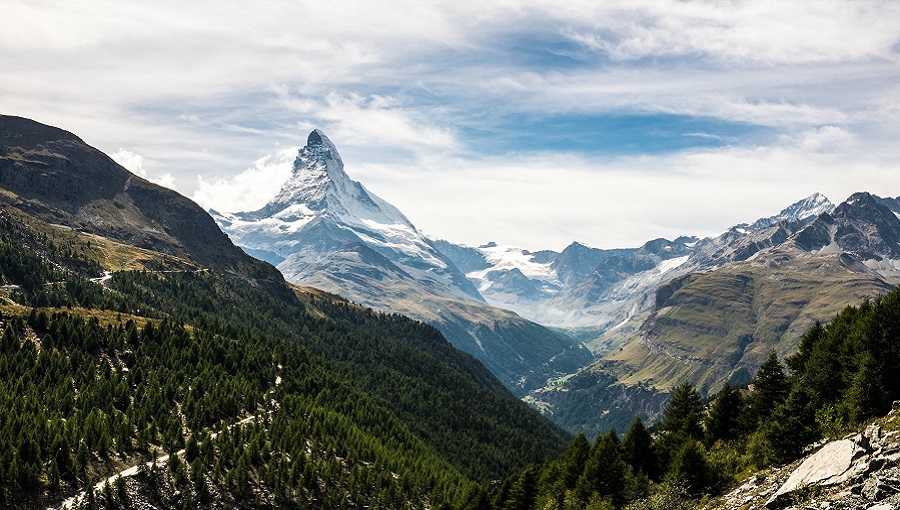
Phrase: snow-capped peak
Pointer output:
(321, 208)
(319, 186)
(809, 207)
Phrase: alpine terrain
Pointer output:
(709, 311)
(147, 362)
(327, 231)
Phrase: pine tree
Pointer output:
(689, 466)
(683, 413)
(192, 449)
(638, 450)
(866, 392)
(725, 416)
(575, 459)
(680, 424)
(791, 427)
(770, 388)
(523, 491)
(604, 472)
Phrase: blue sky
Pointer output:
(529, 122)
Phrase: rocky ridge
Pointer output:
(53, 175)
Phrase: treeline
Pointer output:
(38, 272)
(843, 374)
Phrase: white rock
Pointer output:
(835, 463)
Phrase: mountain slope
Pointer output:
(319, 209)
(53, 175)
(293, 398)
(761, 289)
(328, 231)
(588, 291)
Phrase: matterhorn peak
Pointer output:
(320, 209)
(316, 137)
(319, 187)
(318, 146)
(317, 179)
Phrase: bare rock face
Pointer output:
(881, 485)
(836, 462)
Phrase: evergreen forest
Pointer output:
(843, 374)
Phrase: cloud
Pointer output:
(375, 120)
(134, 163)
(410, 91)
(823, 139)
(739, 32)
(250, 189)
(549, 200)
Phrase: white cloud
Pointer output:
(375, 121)
(167, 180)
(134, 163)
(547, 201)
(823, 139)
(399, 86)
(764, 31)
(250, 189)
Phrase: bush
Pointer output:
(669, 495)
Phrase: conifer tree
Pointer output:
(689, 466)
(575, 459)
(638, 450)
(770, 388)
(681, 423)
(523, 491)
(604, 472)
(683, 413)
(725, 416)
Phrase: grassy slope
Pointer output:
(723, 323)
(715, 327)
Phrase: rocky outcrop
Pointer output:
(861, 470)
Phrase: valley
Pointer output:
(591, 337)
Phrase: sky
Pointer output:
(527, 122)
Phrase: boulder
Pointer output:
(836, 462)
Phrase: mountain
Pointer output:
(864, 226)
(738, 295)
(702, 310)
(122, 342)
(54, 176)
(327, 231)
(809, 432)
(806, 209)
(587, 290)
(320, 210)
